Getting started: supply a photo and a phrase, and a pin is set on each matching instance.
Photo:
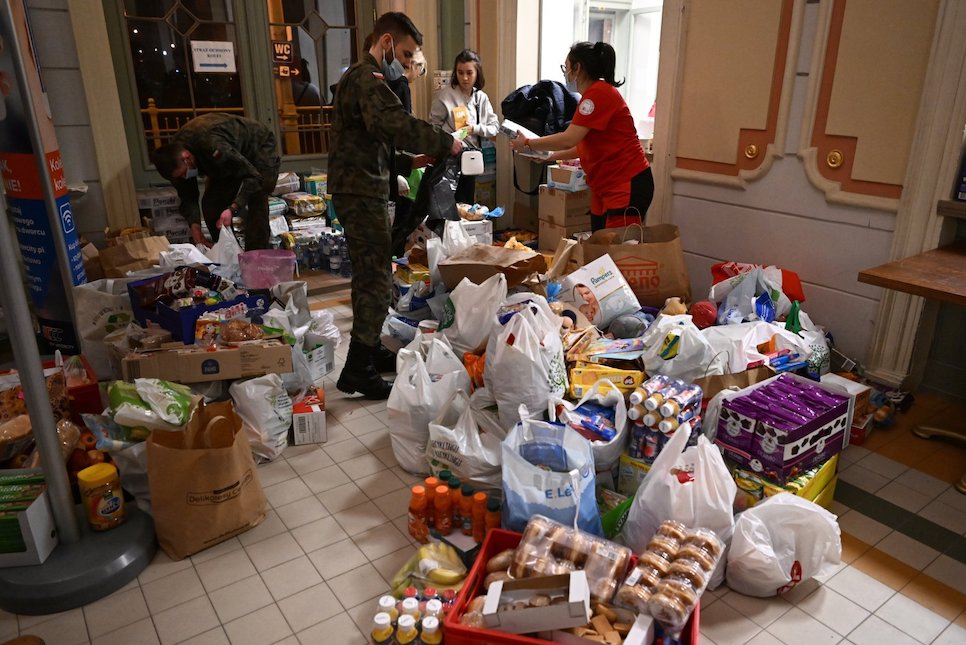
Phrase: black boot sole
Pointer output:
(348, 388)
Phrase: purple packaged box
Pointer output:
(781, 454)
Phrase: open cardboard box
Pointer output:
(192, 364)
(641, 633)
(575, 612)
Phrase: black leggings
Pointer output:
(642, 192)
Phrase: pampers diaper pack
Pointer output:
(599, 291)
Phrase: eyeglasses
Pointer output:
(563, 70)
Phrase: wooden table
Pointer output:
(939, 274)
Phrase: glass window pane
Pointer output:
(147, 8)
(336, 13)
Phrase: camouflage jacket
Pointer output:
(226, 147)
(368, 122)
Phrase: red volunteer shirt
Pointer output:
(610, 154)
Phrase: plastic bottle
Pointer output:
(431, 635)
(431, 484)
(406, 630)
(636, 412)
(454, 501)
(434, 608)
(479, 516)
(381, 628)
(444, 476)
(671, 423)
(654, 401)
(410, 607)
(466, 509)
(648, 388)
(100, 490)
(418, 512)
(387, 604)
(685, 398)
(493, 518)
(444, 511)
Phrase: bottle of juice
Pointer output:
(387, 604)
(418, 511)
(689, 396)
(454, 500)
(466, 509)
(406, 630)
(648, 388)
(431, 484)
(431, 635)
(434, 608)
(444, 476)
(410, 607)
(493, 518)
(479, 516)
(444, 511)
(381, 629)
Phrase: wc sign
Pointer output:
(282, 52)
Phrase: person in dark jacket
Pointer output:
(368, 122)
(239, 158)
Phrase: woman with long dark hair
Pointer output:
(603, 136)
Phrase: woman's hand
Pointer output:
(520, 143)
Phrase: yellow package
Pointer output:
(584, 375)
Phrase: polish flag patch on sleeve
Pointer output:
(379, 75)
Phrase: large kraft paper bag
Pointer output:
(203, 482)
(132, 254)
(654, 267)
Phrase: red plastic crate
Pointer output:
(456, 634)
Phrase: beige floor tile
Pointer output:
(863, 527)
(394, 504)
(725, 624)
(357, 467)
(364, 424)
(904, 496)
(141, 632)
(381, 540)
(325, 479)
(67, 628)
(907, 550)
(267, 625)
(310, 460)
(301, 512)
(763, 611)
(291, 577)
(945, 516)
(360, 518)
(862, 589)
(912, 618)
(875, 631)
(115, 611)
(310, 606)
(240, 598)
(386, 456)
(8, 625)
(224, 570)
(376, 439)
(798, 628)
(335, 432)
(338, 629)
(338, 558)
(288, 491)
(834, 609)
(358, 585)
(953, 635)
(388, 565)
(216, 636)
(186, 620)
(948, 571)
(275, 472)
(172, 590)
(345, 450)
(271, 526)
(318, 534)
(340, 498)
(381, 483)
(274, 551)
(218, 550)
(161, 565)
(763, 638)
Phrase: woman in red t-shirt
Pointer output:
(603, 136)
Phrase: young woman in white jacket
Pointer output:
(464, 105)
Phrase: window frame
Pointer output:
(253, 43)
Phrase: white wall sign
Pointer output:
(213, 56)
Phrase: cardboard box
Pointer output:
(575, 612)
(308, 419)
(479, 262)
(861, 429)
(752, 488)
(564, 208)
(779, 455)
(321, 359)
(37, 528)
(567, 178)
(189, 364)
(641, 633)
(525, 215)
(858, 391)
(630, 474)
(549, 234)
(481, 231)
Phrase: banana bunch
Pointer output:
(432, 565)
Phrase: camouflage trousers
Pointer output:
(367, 232)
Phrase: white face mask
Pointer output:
(393, 70)
(190, 173)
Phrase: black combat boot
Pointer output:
(359, 375)
(383, 359)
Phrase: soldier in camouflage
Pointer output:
(368, 123)
(239, 158)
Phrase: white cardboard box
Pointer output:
(308, 419)
(39, 534)
(641, 633)
(573, 613)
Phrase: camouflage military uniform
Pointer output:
(240, 160)
(368, 122)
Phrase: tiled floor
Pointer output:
(336, 534)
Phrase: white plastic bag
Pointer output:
(548, 470)
(524, 359)
(675, 347)
(181, 255)
(781, 542)
(469, 313)
(693, 487)
(225, 253)
(265, 407)
(425, 381)
(465, 440)
(606, 453)
(737, 344)
(102, 307)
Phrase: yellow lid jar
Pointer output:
(100, 490)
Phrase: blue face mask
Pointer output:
(190, 173)
(570, 83)
(394, 70)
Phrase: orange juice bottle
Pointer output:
(387, 604)
(431, 484)
(492, 519)
(418, 510)
(406, 631)
(444, 511)
(430, 634)
(466, 509)
(479, 516)
(381, 628)
(454, 500)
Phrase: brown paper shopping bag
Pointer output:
(204, 484)
(653, 267)
(132, 254)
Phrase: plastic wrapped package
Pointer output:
(303, 204)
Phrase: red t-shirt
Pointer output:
(610, 154)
